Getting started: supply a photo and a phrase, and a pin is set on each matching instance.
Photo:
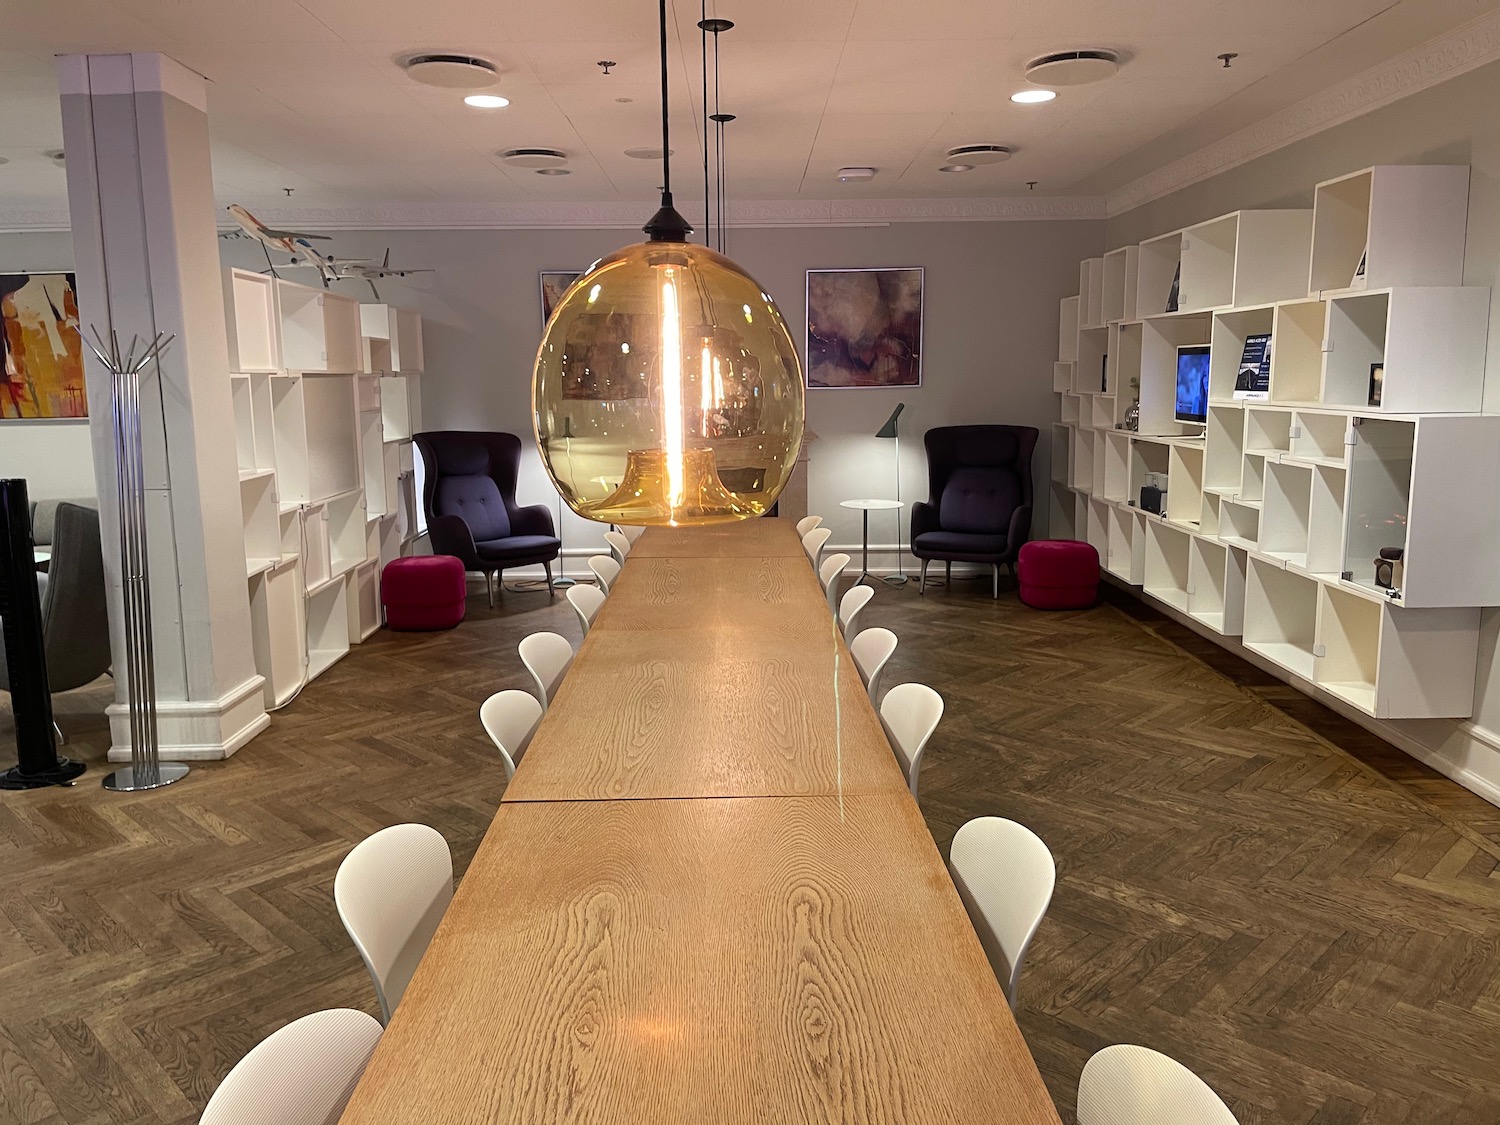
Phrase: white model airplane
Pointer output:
(367, 269)
(293, 242)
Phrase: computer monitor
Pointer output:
(1192, 384)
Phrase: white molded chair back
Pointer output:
(1004, 874)
(586, 602)
(632, 532)
(303, 1074)
(546, 656)
(851, 605)
(828, 574)
(813, 542)
(605, 569)
(618, 545)
(910, 713)
(871, 649)
(1129, 1085)
(806, 524)
(510, 719)
(391, 891)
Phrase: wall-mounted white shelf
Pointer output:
(319, 329)
(278, 631)
(1091, 293)
(1067, 330)
(1297, 352)
(1281, 615)
(1228, 333)
(1166, 563)
(1160, 339)
(363, 602)
(253, 322)
(1407, 221)
(1244, 258)
(1216, 586)
(327, 626)
(1121, 271)
(1159, 260)
(1126, 558)
(1185, 483)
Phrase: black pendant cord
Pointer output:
(666, 225)
(708, 232)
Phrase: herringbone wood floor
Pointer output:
(1305, 916)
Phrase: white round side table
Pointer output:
(865, 507)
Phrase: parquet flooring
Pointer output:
(1304, 915)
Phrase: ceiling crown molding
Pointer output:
(22, 219)
(1465, 48)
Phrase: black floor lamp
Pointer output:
(890, 430)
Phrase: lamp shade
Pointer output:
(889, 429)
(667, 390)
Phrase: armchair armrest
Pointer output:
(533, 520)
(1020, 531)
(924, 518)
(450, 535)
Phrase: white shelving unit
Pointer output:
(321, 436)
(1275, 516)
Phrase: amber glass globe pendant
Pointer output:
(667, 389)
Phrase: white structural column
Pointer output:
(140, 192)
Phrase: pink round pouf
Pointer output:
(424, 592)
(1058, 574)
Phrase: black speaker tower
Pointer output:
(25, 653)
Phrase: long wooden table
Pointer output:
(700, 902)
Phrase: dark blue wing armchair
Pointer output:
(979, 509)
(469, 497)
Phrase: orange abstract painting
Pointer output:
(43, 372)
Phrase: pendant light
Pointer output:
(675, 377)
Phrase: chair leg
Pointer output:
(922, 585)
(948, 573)
(61, 738)
(551, 593)
(996, 592)
(489, 587)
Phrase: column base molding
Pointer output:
(197, 730)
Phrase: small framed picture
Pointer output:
(1377, 383)
(554, 284)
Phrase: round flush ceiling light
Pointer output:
(553, 172)
(486, 101)
(644, 153)
(451, 71)
(1072, 68)
(1033, 97)
(975, 155)
(956, 168)
(534, 157)
(855, 175)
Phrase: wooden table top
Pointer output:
(766, 537)
(725, 962)
(785, 945)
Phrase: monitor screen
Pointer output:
(1192, 384)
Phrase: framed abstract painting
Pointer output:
(864, 328)
(554, 284)
(42, 375)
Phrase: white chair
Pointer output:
(618, 544)
(851, 605)
(586, 602)
(1129, 1085)
(510, 719)
(546, 656)
(303, 1074)
(1004, 874)
(605, 569)
(391, 891)
(829, 574)
(806, 524)
(910, 713)
(871, 649)
(632, 532)
(813, 542)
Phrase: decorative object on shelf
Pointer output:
(1377, 383)
(146, 770)
(555, 283)
(1104, 373)
(864, 328)
(891, 431)
(1358, 281)
(41, 349)
(1389, 567)
(1253, 380)
(721, 383)
(1133, 411)
(1174, 295)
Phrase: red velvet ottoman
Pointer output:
(1058, 574)
(424, 592)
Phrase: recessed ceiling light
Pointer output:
(956, 168)
(855, 175)
(645, 153)
(451, 71)
(624, 101)
(486, 101)
(1033, 97)
(55, 155)
(534, 157)
(553, 172)
(975, 155)
(1073, 68)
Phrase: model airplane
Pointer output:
(367, 269)
(293, 242)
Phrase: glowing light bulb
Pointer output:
(671, 386)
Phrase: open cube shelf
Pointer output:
(1239, 523)
(1166, 563)
(1297, 333)
(1160, 340)
(1067, 330)
(1126, 559)
(1284, 513)
(1185, 483)
(1227, 347)
(319, 330)
(1281, 614)
(1224, 442)
(253, 325)
(1116, 466)
(1244, 258)
(1216, 586)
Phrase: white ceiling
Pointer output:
(307, 94)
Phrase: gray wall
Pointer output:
(54, 457)
(990, 334)
(1456, 122)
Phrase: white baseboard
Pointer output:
(197, 730)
